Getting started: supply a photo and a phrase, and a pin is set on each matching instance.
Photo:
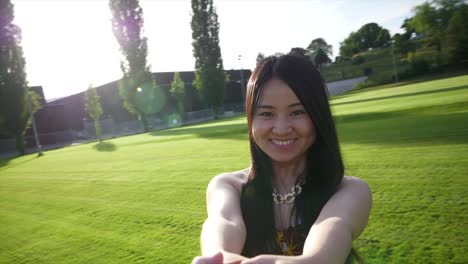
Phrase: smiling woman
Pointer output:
(281, 126)
(293, 204)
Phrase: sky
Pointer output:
(69, 44)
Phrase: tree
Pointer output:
(94, 109)
(178, 92)
(320, 51)
(210, 77)
(260, 57)
(402, 42)
(350, 46)
(409, 30)
(320, 44)
(370, 35)
(299, 52)
(14, 92)
(457, 36)
(402, 45)
(432, 19)
(127, 26)
(321, 58)
(426, 21)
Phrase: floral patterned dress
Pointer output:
(290, 242)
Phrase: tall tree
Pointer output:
(260, 57)
(432, 19)
(321, 58)
(350, 45)
(127, 26)
(14, 108)
(401, 44)
(457, 36)
(426, 21)
(210, 77)
(320, 51)
(320, 44)
(298, 51)
(370, 35)
(94, 109)
(178, 92)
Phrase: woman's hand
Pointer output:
(262, 259)
(215, 259)
(273, 259)
(219, 258)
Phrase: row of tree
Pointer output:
(319, 51)
(94, 109)
(439, 23)
(16, 100)
(369, 36)
(137, 87)
(443, 24)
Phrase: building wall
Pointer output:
(69, 114)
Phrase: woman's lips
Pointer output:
(282, 142)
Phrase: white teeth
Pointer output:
(282, 142)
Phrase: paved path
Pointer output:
(340, 87)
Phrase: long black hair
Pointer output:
(324, 166)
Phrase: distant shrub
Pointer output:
(365, 84)
(410, 57)
(418, 67)
(367, 71)
(358, 60)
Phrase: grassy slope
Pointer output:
(379, 60)
(140, 199)
(410, 143)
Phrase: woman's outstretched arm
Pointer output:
(224, 229)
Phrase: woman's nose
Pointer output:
(281, 126)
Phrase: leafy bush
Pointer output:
(365, 84)
(367, 71)
(358, 60)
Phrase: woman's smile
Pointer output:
(282, 142)
(281, 127)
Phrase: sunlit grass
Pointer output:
(140, 199)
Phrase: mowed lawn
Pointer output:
(140, 199)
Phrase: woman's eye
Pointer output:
(298, 112)
(266, 114)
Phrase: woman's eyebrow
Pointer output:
(265, 106)
(295, 104)
(272, 107)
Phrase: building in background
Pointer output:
(61, 121)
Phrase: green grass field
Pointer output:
(140, 199)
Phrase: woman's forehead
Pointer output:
(277, 92)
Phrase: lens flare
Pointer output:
(174, 120)
(150, 98)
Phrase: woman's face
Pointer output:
(281, 127)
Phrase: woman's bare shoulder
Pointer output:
(354, 183)
(234, 180)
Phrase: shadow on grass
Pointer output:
(403, 95)
(404, 127)
(213, 131)
(105, 146)
(4, 163)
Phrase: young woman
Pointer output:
(294, 204)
